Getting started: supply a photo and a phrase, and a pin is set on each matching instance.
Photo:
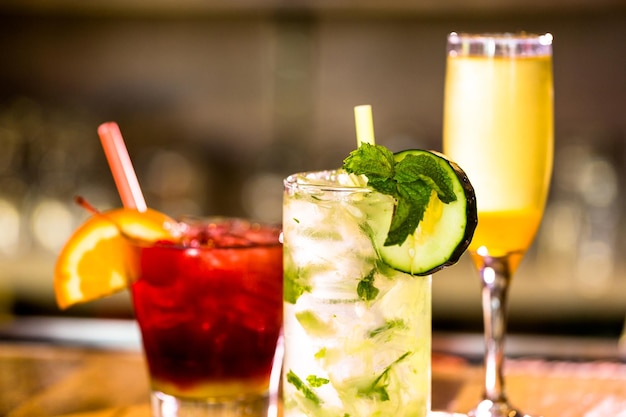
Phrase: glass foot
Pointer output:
(488, 408)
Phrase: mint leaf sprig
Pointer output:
(410, 182)
(301, 386)
(377, 390)
(366, 289)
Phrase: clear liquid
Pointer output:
(345, 355)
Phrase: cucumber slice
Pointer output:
(445, 231)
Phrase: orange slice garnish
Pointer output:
(97, 261)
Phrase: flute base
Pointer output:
(488, 408)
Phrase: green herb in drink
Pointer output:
(295, 380)
(366, 289)
(390, 325)
(378, 388)
(320, 354)
(316, 381)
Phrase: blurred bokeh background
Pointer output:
(219, 100)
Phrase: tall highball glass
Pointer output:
(357, 332)
(498, 125)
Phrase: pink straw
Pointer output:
(121, 166)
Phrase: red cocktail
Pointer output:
(210, 310)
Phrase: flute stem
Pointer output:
(496, 275)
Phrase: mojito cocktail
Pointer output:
(358, 311)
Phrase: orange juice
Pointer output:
(498, 125)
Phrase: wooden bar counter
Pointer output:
(78, 372)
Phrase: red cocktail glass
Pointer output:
(210, 312)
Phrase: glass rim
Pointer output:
(185, 226)
(499, 44)
(542, 38)
(294, 182)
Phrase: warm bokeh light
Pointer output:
(10, 221)
(262, 197)
(51, 224)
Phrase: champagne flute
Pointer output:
(498, 126)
